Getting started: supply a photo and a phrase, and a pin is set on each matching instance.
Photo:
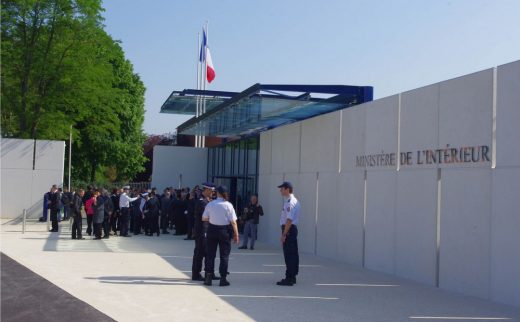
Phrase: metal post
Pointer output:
(70, 154)
(24, 221)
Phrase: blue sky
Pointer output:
(393, 45)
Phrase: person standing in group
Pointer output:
(222, 223)
(178, 208)
(54, 200)
(152, 215)
(99, 213)
(252, 215)
(89, 209)
(109, 210)
(114, 219)
(199, 233)
(124, 207)
(77, 204)
(165, 210)
(289, 239)
(66, 199)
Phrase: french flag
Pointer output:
(205, 57)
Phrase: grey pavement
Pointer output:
(143, 278)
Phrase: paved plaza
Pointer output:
(148, 278)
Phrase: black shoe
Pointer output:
(208, 279)
(251, 248)
(53, 231)
(165, 232)
(74, 238)
(285, 282)
(105, 237)
(224, 282)
(197, 278)
(81, 238)
(158, 234)
(126, 235)
(242, 247)
(214, 277)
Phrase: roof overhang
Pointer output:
(260, 107)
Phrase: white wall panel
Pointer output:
(465, 231)
(381, 127)
(320, 143)
(415, 225)
(505, 236)
(286, 148)
(49, 155)
(17, 153)
(419, 124)
(352, 136)
(264, 166)
(349, 227)
(328, 212)
(380, 221)
(270, 199)
(169, 162)
(14, 196)
(466, 113)
(305, 191)
(508, 115)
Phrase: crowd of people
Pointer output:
(204, 214)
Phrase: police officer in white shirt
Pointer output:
(289, 239)
(124, 204)
(222, 223)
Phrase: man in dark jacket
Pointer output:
(109, 210)
(151, 212)
(165, 210)
(114, 219)
(180, 211)
(77, 204)
(66, 200)
(53, 206)
(200, 233)
(251, 217)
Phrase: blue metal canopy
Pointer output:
(260, 107)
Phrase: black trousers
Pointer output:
(123, 221)
(218, 236)
(97, 230)
(290, 252)
(191, 222)
(152, 224)
(198, 254)
(114, 222)
(106, 226)
(138, 223)
(89, 224)
(76, 226)
(165, 218)
(54, 219)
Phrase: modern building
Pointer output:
(423, 184)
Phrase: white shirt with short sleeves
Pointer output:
(290, 210)
(220, 212)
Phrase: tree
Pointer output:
(60, 68)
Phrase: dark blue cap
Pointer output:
(208, 185)
(286, 184)
(222, 189)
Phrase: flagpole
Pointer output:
(197, 105)
(205, 79)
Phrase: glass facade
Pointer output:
(235, 165)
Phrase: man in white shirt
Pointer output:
(289, 239)
(124, 207)
(222, 222)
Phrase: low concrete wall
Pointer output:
(28, 169)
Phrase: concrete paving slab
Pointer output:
(142, 278)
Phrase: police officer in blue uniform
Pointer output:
(289, 239)
(222, 226)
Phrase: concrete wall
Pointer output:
(423, 184)
(28, 169)
(169, 162)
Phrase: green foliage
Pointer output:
(60, 68)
